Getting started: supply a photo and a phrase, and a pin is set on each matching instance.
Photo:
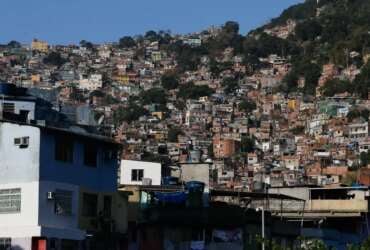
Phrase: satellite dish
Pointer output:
(101, 119)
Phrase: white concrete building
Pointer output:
(140, 173)
(93, 82)
(15, 102)
(45, 176)
(19, 106)
(358, 128)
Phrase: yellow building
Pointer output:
(160, 136)
(110, 208)
(123, 79)
(35, 78)
(133, 202)
(292, 104)
(156, 56)
(158, 114)
(40, 46)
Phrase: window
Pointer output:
(64, 149)
(22, 142)
(107, 205)
(137, 174)
(10, 200)
(8, 107)
(5, 243)
(90, 205)
(90, 155)
(63, 202)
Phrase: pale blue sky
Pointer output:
(69, 21)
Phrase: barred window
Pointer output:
(10, 200)
(5, 243)
(8, 107)
(63, 202)
(137, 174)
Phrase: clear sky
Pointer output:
(69, 21)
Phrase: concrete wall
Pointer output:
(297, 192)
(21, 243)
(338, 205)
(196, 172)
(18, 165)
(23, 105)
(25, 223)
(151, 170)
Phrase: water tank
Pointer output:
(194, 156)
(195, 193)
(195, 186)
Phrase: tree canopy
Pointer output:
(230, 85)
(153, 96)
(126, 42)
(191, 91)
(170, 81)
(54, 58)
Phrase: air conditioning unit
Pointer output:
(147, 181)
(17, 141)
(50, 195)
(22, 141)
(25, 141)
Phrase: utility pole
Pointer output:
(263, 227)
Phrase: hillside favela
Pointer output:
(214, 139)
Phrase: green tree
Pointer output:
(312, 73)
(356, 113)
(362, 81)
(247, 144)
(308, 30)
(54, 58)
(14, 44)
(126, 42)
(230, 85)
(130, 113)
(152, 36)
(290, 81)
(247, 106)
(170, 81)
(173, 134)
(191, 91)
(336, 86)
(364, 159)
(153, 96)
(86, 44)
